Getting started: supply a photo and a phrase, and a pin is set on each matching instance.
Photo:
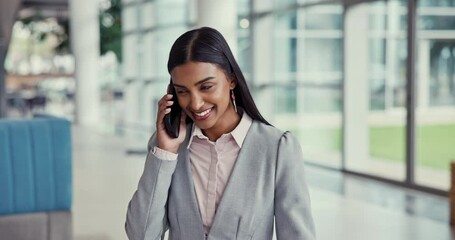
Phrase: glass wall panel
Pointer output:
(129, 18)
(244, 51)
(148, 15)
(130, 56)
(308, 70)
(281, 3)
(243, 7)
(171, 13)
(375, 132)
(320, 75)
(151, 29)
(435, 93)
(436, 3)
(322, 55)
(327, 17)
(149, 63)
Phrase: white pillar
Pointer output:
(221, 15)
(356, 87)
(85, 39)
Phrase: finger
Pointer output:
(165, 98)
(161, 113)
(165, 105)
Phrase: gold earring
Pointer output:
(233, 99)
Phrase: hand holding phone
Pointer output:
(172, 119)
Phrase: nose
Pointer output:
(196, 102)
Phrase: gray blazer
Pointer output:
(267, 182)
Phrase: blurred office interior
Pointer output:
(367, 86)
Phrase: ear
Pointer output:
(232, 82)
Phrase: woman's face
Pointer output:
(203, 92)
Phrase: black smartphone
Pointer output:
(172, 119)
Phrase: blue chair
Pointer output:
(35, 179)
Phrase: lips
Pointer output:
(202, 115)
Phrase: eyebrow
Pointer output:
(198, 82)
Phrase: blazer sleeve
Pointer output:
(147, 212)
(293, 218)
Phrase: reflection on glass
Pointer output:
(286, 21)
(281, 3)
(436, 3)
(377, 70)
(435, 93)
(375, 132)
(286, 54)
(129, 18)
(320, 21)
(285, 99)
(322, 54)
(322, 98)
(442, 63)
(308, 71)
(171, 13)
(436, 22)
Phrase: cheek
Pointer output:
(182, 102)
(221, 96)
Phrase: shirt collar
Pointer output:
(239, 132)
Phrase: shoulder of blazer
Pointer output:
(267, 131)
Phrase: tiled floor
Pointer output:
(344, 207)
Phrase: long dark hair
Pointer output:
(208, 45)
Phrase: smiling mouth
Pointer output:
(202, 115)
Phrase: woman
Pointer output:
(229, 173)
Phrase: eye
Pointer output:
(206, 87)
(180, 91)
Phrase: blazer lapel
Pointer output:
(184, 193)
(235, 208)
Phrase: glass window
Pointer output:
(286, 21)
(308, 70)
(285, 99)
(243, 7)
(129, 18)
(322, 54)
(244, 51)
(375, 51)
(323, 18)
(169, 13)
(148, 50)
(128, 1)
(436, 3)
(148, 15)
(164, 39)
(130, 56)
(436, 22)
(435, 93)
(286, 52)
(322, 98)
(281, 3)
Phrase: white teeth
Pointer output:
(203, 113)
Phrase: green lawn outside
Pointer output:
(435, 143)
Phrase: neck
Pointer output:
(225, 125)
